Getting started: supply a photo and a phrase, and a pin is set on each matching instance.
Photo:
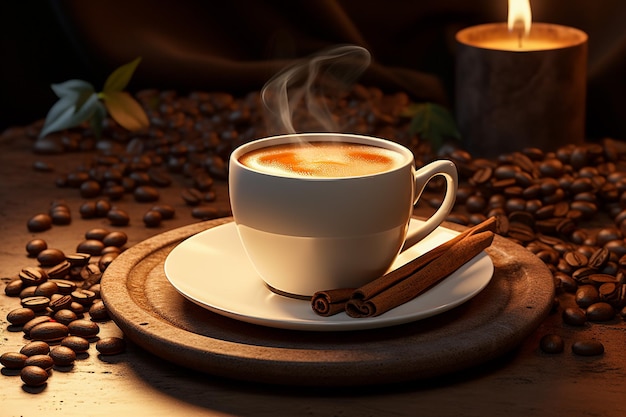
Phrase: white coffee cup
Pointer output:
(308, 233)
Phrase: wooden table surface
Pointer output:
(524, 382)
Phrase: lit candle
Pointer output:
(520, 84)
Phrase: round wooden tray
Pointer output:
(156, 317)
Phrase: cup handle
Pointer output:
(422, 176)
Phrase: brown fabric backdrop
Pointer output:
(238, 45)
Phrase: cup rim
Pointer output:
(322, 137)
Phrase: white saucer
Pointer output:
(212, 270)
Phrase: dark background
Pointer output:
(237, 45)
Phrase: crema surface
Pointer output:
(322, 159)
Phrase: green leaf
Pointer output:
(72, 88)
(97, 119)
(125, 110)
(67, 113)
(433, 123)
(119, 79)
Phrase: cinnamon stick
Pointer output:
(361, 305)
(388, 280)
(329, 302)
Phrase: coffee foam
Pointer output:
(322, 160)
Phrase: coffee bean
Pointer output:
(27, 292)
(65, 316)
(152, 218)
(600, 311)
(61, 216)
(42, 166)
(581, 185)
(576, 259)
(522, 218)
(112, 174)
(167, 212)
(105, 260)
(83, 296)
(587, 348)
(89, 271)
(111, 249)
(565, 282)
(160, 178)
(203, 182)
(146, 193)
(607, 235)
(602, 278)
(98, 311)
(140, 178)
(599, 258)
(505, 171)
(62, 355)
(90, 189)
(587, 295)
(192, 196)
(14, 287)
(20, 316)
(34, 376)
(49, 331)
(44, 362)
(110, 345)
(36, 303)
(97, 233)
(87, 210)
(216, 167)
(33, 276)
(117, 239)
(39, 222)
(34, 322)
(552, 343)
(35, 246)
(574, 316)
(205, 213)
(75, 179)
(47, 289)
(114, 192)
(37, 347)
(618, 247)
(60, 303)
(77, 308)
(587, 209)
(90, 247)
(118, 217)
(13, 360)
(96, 288)
(60, 270)
(84, 328)
(76, 343)
(520, 231)
(64, 286)
(551, 167)
(102, 207)
(80, 259)
(583, 275)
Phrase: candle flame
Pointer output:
(520, 17)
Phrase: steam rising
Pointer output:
(311, 83)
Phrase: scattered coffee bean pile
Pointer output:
(558, 205)
(549, 202)
(192, 136)
(61, 306)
